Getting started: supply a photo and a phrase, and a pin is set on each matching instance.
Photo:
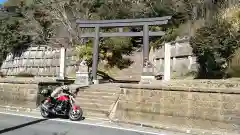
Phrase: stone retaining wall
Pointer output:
(39, 61)
(21, 92)
(23, 95)
(158, 103)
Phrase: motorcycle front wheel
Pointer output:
(75, 116)
(44, 113)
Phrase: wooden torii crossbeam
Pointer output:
(145, 22)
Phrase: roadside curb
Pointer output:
(17, 109)
(30, 111)
(151, 126)
(193, 131)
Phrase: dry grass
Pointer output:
(234, 66)
(232, 16)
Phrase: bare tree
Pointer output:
(65, 13)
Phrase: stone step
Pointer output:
(95, 113)
(99, 101)
(113, 98)
(98, 93)
(101, 110)
(106, 92)
(103, 88)
(106, 86)
(95, 106)
(100, 89)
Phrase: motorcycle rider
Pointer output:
(62, 90)
(59, 91)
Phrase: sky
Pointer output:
(2, 1)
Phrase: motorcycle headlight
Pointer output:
(45, 91)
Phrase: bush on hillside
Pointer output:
(214, 46)
(234, 66)
(111, 52)
(1, 74)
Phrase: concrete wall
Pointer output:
(174, 104)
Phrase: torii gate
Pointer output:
(145, 22)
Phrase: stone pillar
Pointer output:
(147, 74)
(161, 62)
(145, 42)
(62, 63)
(82, 76)
(167, 61)
(177, 45)
(120, 29)
(190, 62)
(95, 55)
(174, 61)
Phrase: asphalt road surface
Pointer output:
(20, 125)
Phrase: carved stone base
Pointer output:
(147, 79)
(82, 78)
(95, 81)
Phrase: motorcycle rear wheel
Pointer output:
(75, 117)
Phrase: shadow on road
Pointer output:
(21, 126)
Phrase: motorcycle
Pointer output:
(63, 105)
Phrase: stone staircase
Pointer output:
(132, 73)
(98, 100)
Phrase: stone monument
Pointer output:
(82, 75)
(148, 73)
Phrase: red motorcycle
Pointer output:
(61, 106)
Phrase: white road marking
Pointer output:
(85, 123)
(101, 122)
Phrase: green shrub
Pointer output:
(111, 52)
(1, 74)
(214, 46)
(234, 66)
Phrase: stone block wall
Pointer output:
(20, 92)
(39, 61)
(158, 103)
(182, 58)
(23, 95)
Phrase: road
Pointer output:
(23, 125)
